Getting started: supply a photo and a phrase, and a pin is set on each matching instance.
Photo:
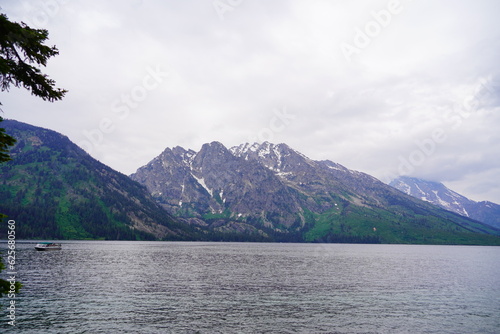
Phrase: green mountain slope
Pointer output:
(398, 225)
(53, 189)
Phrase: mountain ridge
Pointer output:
(440, 195)
(275, 191)
(250, 192)
(56, 190)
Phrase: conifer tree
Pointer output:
(22, 52)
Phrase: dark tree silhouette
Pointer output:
(22, 52)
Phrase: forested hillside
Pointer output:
(53, 189)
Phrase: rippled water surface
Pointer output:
(169, 287)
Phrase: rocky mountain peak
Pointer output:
(279, 158)
(213, 151)
(440, 195)
(434, 192)
(271, 189)
(186, 155)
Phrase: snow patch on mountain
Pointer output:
(438, 194)
(201, 181)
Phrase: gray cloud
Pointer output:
(427, 67)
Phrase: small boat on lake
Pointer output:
(45, 246)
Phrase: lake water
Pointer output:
(193, 287)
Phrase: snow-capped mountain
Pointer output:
(434, 192)
(278, 193)
(438, 194)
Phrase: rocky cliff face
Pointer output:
(215, 185)
(323, 185)
(272, 189)
(438, 194)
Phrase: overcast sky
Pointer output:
(383, 87)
